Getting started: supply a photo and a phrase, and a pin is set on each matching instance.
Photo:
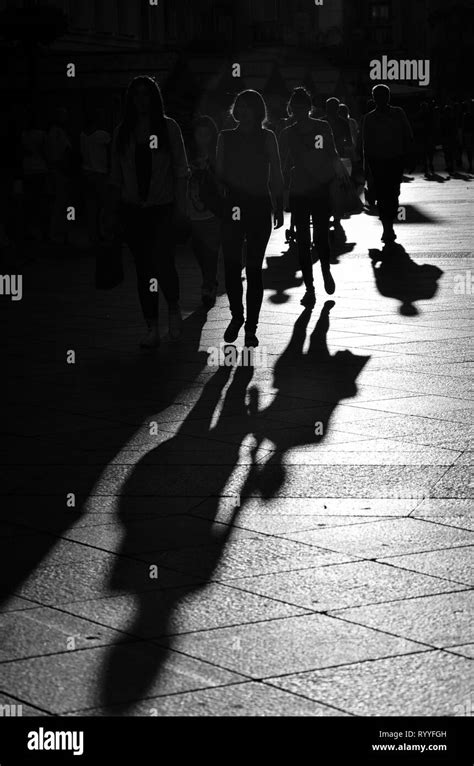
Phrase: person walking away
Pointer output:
(202, 193)
(343, 140)
(387, 141)
(149, 172)
(308, 148)
(95, 146)
(249, 170)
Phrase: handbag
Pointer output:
(209, 193)
(344, 199)
(109, 265)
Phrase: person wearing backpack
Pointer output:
(204, 204)
(310, 159)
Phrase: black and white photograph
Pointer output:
(236, 293)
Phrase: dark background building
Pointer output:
(190, 47)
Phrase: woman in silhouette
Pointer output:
(308, 148)
(149, 174)
(248, 166)
(203, 204)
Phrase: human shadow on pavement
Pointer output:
(199, 460)
(309, 388)
(188, 549)
(398, 276)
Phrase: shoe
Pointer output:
(329, 284)
(175, 323)
(309, 299)
(151, 339)
(251, 340)
(208, 298)
(232, 332)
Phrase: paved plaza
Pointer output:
(289, 538)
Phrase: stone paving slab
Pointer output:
(434, 619)
(175, 611)
(453, 512)
(454, 564)
(346, 585)
(43, 631)
(427, 684)
(386, 537)
(292, 645)
(244, 557)
(66, 682)
(235, 700)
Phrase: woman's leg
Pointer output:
(259, 228)
(164, 252)
(232, 240)
(301, 208)
(321, 214)
(206, 243)
(138, 237)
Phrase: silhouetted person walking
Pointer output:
(387, 140)
(309, 152)
(248, 165)
(202, 193)
(149, 173)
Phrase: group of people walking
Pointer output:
(225, 190)
(229, 188)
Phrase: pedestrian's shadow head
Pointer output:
(280, 274)
(398, 276)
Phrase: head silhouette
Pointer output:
(332, 107)
(381, 95)
(300, 103)
(249, 109)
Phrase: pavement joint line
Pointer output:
(267, 682)
(24, 702)
(428, 650)
(173, 694)
(336, 616)
(353, 606)
(465, 589)
(441, 523)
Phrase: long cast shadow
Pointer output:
(186, 546)
(203, 457)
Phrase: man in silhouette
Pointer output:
(387, 140)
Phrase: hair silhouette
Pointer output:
(130, 115)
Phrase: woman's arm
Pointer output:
(220, 164)
(276, 177)
(180, 167)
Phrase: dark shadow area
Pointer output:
(65, 426)
(460, 176)
(204, 457)
(319, 381)
(415, 215)
(436, 177)
(398, 276)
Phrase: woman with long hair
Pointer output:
(308, 148)
(248, 166)
(203, 209)
(149, 174)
